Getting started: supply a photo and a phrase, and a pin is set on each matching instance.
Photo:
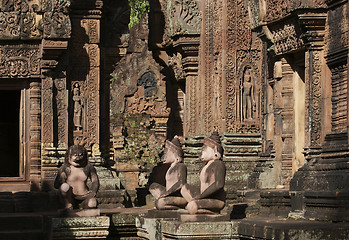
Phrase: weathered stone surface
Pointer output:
(80, 228)
(281, 228)
(199, 230)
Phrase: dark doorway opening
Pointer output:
(9, 133)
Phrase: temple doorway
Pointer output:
(9, 133)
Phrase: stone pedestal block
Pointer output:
(157, 224)
(80, 228)
(199, 230)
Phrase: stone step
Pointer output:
(27, 235)
(19, 226)
(19, 222)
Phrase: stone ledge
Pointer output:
(199, 230)
(282, 228)
(80, 228)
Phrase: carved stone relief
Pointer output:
(339, 30)
(78, 106)
(47, 111)
(61, 101)
(339, 99)
(245, 52)
(56, 25)
(184, 17)
(175, 62)
(277, 9)
(287, 37)
(316, 100)
(17, 61)
(9, 25)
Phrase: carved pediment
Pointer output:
(184, 17)
(297, 32)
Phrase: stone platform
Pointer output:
(146, 223)
(179, 224)
(79, 228)
(283, 228)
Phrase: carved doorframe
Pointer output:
(22, 182)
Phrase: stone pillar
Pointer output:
(52, 152)
(314, 27)
(35, 134)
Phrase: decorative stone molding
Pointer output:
(17, 61)
(80, 227)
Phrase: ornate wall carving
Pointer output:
(47, 110)
(60, 91)
(339, 98)
(244, 51)
(337, 59)
(184, 17)
(56, 25)
(316, 99)
(287, 37)
(17, 61)
(35, 133)
(281, 8)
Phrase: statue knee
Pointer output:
(92, 203)
(160, 203)
(192, 207)
(64, 188)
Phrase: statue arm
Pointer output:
(182, 179)
(94, 180)
(252, 95)
(218, 183)
(60, 178)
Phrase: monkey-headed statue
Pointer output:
(72, 179)
(169, 197)
(210, 198)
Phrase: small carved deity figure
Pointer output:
(72, 178)
(248, 102)
(77, 107)
(210, 198)
(169, 197)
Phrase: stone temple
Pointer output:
(270, 76)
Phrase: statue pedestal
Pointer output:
(195, 227)
(80, 213)
(204, 217)
(80, 227)
(199, 230)
(179, 224)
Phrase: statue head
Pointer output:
(212, 148)
(173, 151)
(247, 74)
(76, 156)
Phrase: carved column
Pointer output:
(35, 134)
(183, 31)
(314, 31)
(85, 74)
(190, 68)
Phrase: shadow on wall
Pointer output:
(157, 44)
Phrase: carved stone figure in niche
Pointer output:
(148, 81)
(248, 101)
(77, 107)
(71, 180)
(210, 198)
(169, 197)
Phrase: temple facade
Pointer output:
(270, 76)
